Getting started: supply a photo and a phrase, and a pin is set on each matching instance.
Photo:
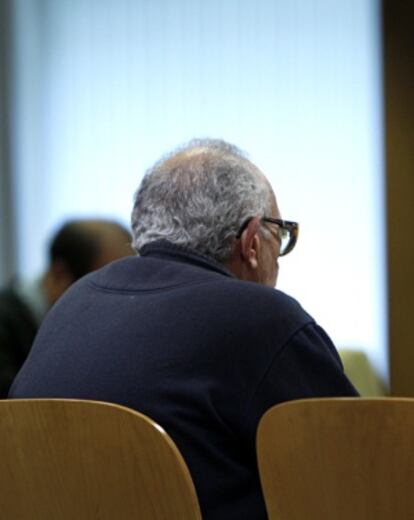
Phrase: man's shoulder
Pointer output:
(257, 305)
(260, 293)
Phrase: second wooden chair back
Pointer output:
(349, 458)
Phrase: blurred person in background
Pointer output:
(192, 331)
(78, 247)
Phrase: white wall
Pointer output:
(104, 87)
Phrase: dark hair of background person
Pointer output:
(79, 245)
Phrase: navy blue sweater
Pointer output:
(177, 337)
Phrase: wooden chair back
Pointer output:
(338, 458)
(70, 459)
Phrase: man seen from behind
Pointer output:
(192, 332)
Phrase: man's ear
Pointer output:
(250, 243)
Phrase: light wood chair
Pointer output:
(82, 460)
(337, 459)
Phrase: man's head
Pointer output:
(200, 197)
(81, 246)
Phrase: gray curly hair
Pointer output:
(199, 196)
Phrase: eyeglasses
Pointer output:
(287, 232)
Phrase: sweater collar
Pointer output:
(178, 253)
